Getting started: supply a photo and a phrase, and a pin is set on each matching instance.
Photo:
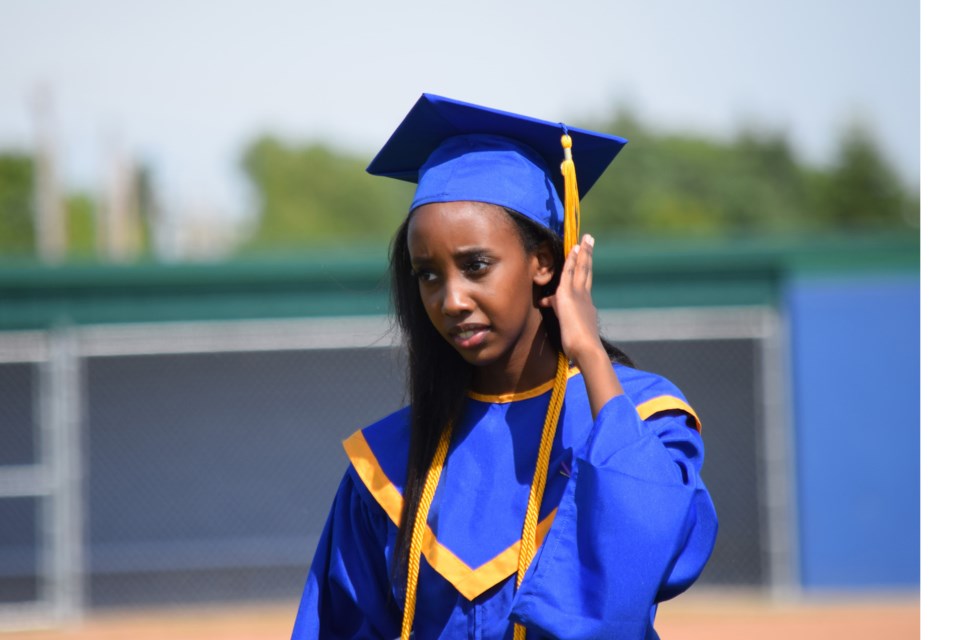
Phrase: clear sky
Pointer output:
(186, 84)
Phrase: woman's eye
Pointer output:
(477, 266)
(424, 276)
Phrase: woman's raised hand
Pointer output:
(579, 329)
(573, 303)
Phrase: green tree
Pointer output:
(689, 185)
(682, 185)
(16, 204)
(17, 231)
(862, 191)
(81, 226)
(661, 185)
(311, 196)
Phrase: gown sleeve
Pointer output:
(635, 527)
(347, 594)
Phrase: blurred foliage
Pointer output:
(16, 204)
(667, 185)
(81, 213)
(17, 208)
(310, 195)
(863, 190)
(661, 185)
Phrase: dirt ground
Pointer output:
(749, 618)
(717, 617)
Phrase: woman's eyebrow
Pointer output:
(471, 252)
(463, 253)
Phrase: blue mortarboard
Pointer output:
(459, 151)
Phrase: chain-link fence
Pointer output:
(728, 363)
(211, 452)
(19, 557)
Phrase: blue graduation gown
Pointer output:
(625, 522)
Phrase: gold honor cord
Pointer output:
(419, 527)
(571, 237)
(528, 539)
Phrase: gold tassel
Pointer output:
(571, 197)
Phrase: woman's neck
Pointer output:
(517, 374)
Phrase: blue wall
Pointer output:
(856, 381)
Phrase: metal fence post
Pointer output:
(776, 459)
(61, 518)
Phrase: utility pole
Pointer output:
(49, 220)
(118, 231)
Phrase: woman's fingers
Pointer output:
(578, 268)
(570, 266)
(573, 302)
(585, 262)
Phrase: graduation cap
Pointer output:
(457, 151)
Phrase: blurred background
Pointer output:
(193, 302)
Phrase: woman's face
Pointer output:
(477, 280)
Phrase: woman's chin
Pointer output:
(476, 358)
(481, 356)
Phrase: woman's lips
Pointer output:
(469, 337)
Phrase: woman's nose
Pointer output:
(456, 299)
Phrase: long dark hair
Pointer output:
(438, 378)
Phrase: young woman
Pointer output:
(537, 485)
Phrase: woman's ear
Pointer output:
(543, 264)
